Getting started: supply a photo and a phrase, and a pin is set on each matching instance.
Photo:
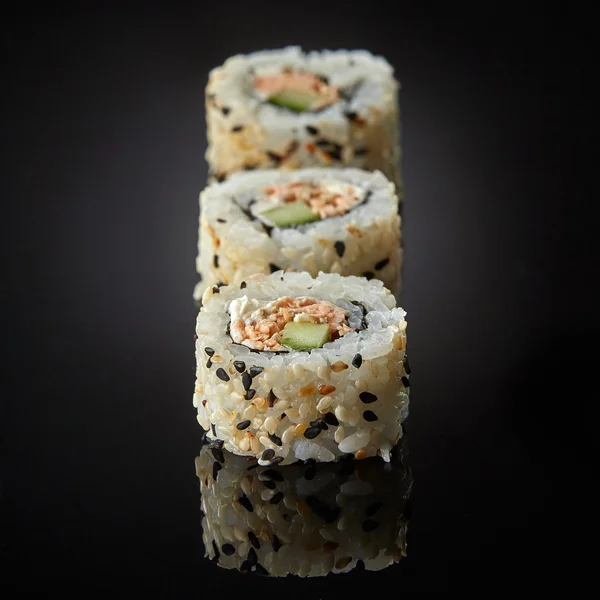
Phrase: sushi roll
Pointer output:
(332, 220)
(305, 519)
(295, 368)
(288, 109)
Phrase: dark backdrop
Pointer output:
(103, 144)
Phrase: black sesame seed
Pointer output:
(274, 268)
(252, 467)
(243, 424)
(225, 110)
(209, 363)
(283, 416)
(246, 381)
(274, 156)
(260, 570)
(370, 416)
(406, 365)
(228, 549)
(215, 289)
(275, 439)
(245, 567)
(254, 371)
(209, 351)
(357, 361)
(276, 543)
(237, 128)
(340, 248)
(373, 508)
(216, 549)
(218, 454)
(250, 394)
(274, 475)
(368, 275)
(240, 366)
(252, 558)
(222, 374)
(219, 220)
(254, 540)
(381, 264)
(315, 422)
(312, 130)
(268, 454)
(242, 285)
(216, 261)
(350, 115)
(360, 565)
(276, 461)
(245, 502)
(213, 429)
(271, 485)
(216, 468)
(271, 397)
(370, 525)
(405, 381)
(277, 498)
(312, 432)
(323, 425)
(367, 397)
(218, 444)
(331, 419)
(221, 177)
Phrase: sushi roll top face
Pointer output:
(295, 203)
(287, 323)
(295, 89)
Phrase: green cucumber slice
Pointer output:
(294, 213)
(305, 336)
(294, 100)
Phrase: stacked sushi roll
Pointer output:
(291, 367)
(332, 220)
(288, 109)
(306, 519)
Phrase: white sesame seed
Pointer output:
(324, 403)
(271, 424)
(339, 434)
(341, 413)
(288, 434)
(249, 413)
(323, 372)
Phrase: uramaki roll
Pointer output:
(290, 367)
(332, 220)
(288, 109)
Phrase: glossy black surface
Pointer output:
(103, 143)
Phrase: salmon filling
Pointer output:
(305, 90)
(259, 325)
(324, 200)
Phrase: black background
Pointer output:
(103, 144)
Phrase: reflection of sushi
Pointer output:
(333, 220)
(290, 367)
(303, 519)
(288, 109)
